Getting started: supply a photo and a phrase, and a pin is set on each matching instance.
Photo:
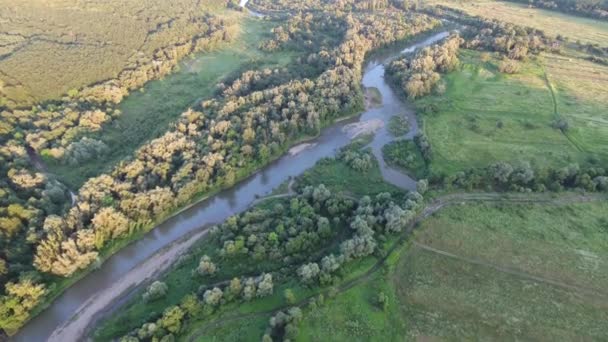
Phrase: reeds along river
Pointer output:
(70, 305)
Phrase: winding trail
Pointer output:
(555, 111)
(433, 207)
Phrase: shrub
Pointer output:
(509, 66)
(155, 291)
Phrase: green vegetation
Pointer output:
(69, 47)
(147, 114)
(406, 155)
(290, 237)
(553, 23)
(356, 314)
(501, 259)
(497, 117)
(373, 97)
(502, 107)
(398, 125)
(338, 176)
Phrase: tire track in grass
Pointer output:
(555, 111)
(514, 271)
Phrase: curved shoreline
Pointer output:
(73, 311)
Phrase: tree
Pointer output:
(213, 297)
(290, 297)
(265, 286)
(235, 287)
(309, 272)
(155, 291)
(172, 319)
(109, 223)
(191, 305)
(249, 289)
(382, 301)
(422, 186)
(206, 266)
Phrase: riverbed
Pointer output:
(101, 290)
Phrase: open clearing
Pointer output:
(485, 116)
(514, 272)
(148, 113)
(551, 22)
(71, 45)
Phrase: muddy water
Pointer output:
(237, 199)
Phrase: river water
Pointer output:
(237, 199)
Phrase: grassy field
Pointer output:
(72, 46)
(485, 116)
(581, 91)
(485, 288)
(148, 113)
(553, 23)
(339, 177)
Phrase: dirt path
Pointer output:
(75, 328)
(513, 271)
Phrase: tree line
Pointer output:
(59, 129)
(291, 233)
(211, 146)
(589, 8)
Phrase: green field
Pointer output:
(147, 114)
(48, 47)
(485, 116)
(486, 289)
(499, 279)
(553, 23)
(581, 92)
(339, 177)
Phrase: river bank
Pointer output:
(131, 266)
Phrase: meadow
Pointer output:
(485, 116)
(581, 92)
(585, 30)
(148, 113)
(74, 46)
(507, 272)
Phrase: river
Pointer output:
(69, 315)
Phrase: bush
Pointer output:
(155, 291)
(206, 266)
(509, 66)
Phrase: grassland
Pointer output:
(488, 291)
(581, 91)
(339, 177)
(72, 46)
(553, 23)
(148, 113)
(499, 274)
(485, 116)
